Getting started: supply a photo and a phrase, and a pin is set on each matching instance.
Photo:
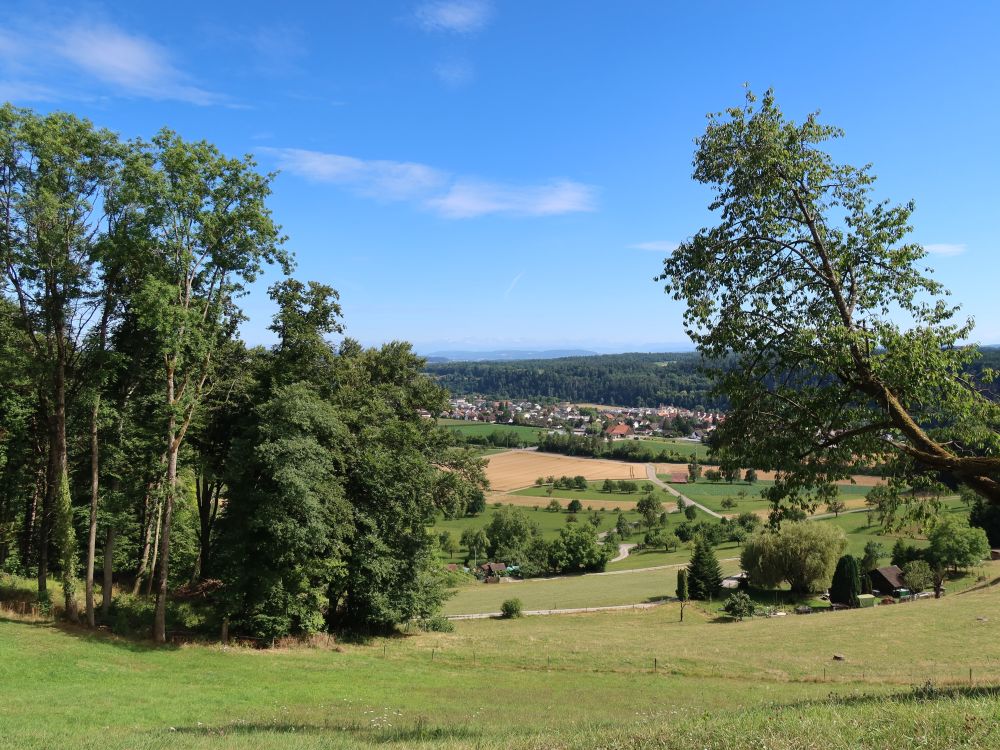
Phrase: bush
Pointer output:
(918, 575)
(511, 609)
(436, 624)
(739, 605)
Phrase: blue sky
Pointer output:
(510, 173)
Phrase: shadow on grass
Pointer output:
(92, 636)
(921, 694)
(417, 732)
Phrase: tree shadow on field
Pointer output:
(921, 694)
(419, 731)
(87, 635)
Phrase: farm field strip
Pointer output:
(515, 470)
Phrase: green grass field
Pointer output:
(527, 435)
(685, 448)
(548, 523)
(593, 492)
(567, 592)
(711, 494)
(579, 681)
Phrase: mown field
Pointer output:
(526, 435)
(594, 492)
(578, 681)
(683, 447)
(711, 495)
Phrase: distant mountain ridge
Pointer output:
(506, 355)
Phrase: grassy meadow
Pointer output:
(577, 681)
(594, 492)
(685, 448)
(711, 494)
(528, 435)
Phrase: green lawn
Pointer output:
(686, 448)
(580, 681)
(711, 494)
(594, 492)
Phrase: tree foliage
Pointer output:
(800, 553)
(794, 294)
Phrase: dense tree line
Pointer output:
(294, 484)
(594, 446)
(621, 379)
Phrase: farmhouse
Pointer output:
(618, 431)
(886, 580)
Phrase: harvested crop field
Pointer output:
(516, 469)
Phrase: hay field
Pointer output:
(516, 469)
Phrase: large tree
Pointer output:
(797, 292)
(209, 232)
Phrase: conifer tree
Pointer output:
(846, 582)
(704, 573)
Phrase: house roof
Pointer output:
(892, 574)
(678, 478)
(619, 429)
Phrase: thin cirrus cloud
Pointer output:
(61, 63)
(448, 195)
(455, 16)
(945, 249)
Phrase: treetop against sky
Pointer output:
(477, 173)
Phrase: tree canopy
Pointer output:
(797, 294)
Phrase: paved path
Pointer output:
(624, 549)
(651, 476)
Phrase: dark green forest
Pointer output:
(619, 379)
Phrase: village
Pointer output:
(587, 419)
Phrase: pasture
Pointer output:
(685, 448)
(594, 492)
(566, 592)
(577, 681)
(526, 435)
(516, 469)
(711, 495)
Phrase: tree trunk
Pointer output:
(208, 506)
(94, 489)
(109, 564)
(156, 547)
(160, 619)
(147, 535)
(30, 513)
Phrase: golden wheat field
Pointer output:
(516, 469)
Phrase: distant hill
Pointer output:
(506, 355)
(620, 379)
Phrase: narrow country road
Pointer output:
(651, 476)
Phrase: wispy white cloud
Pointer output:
(455, 73)
(512, 285)
(470, 197)
(65, 62)
(659, 246)
(389, 180)
(449, 195)
(457, 16)
(945, 249)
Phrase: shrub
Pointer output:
(511, 608)
(739, 605)
(436, 624)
